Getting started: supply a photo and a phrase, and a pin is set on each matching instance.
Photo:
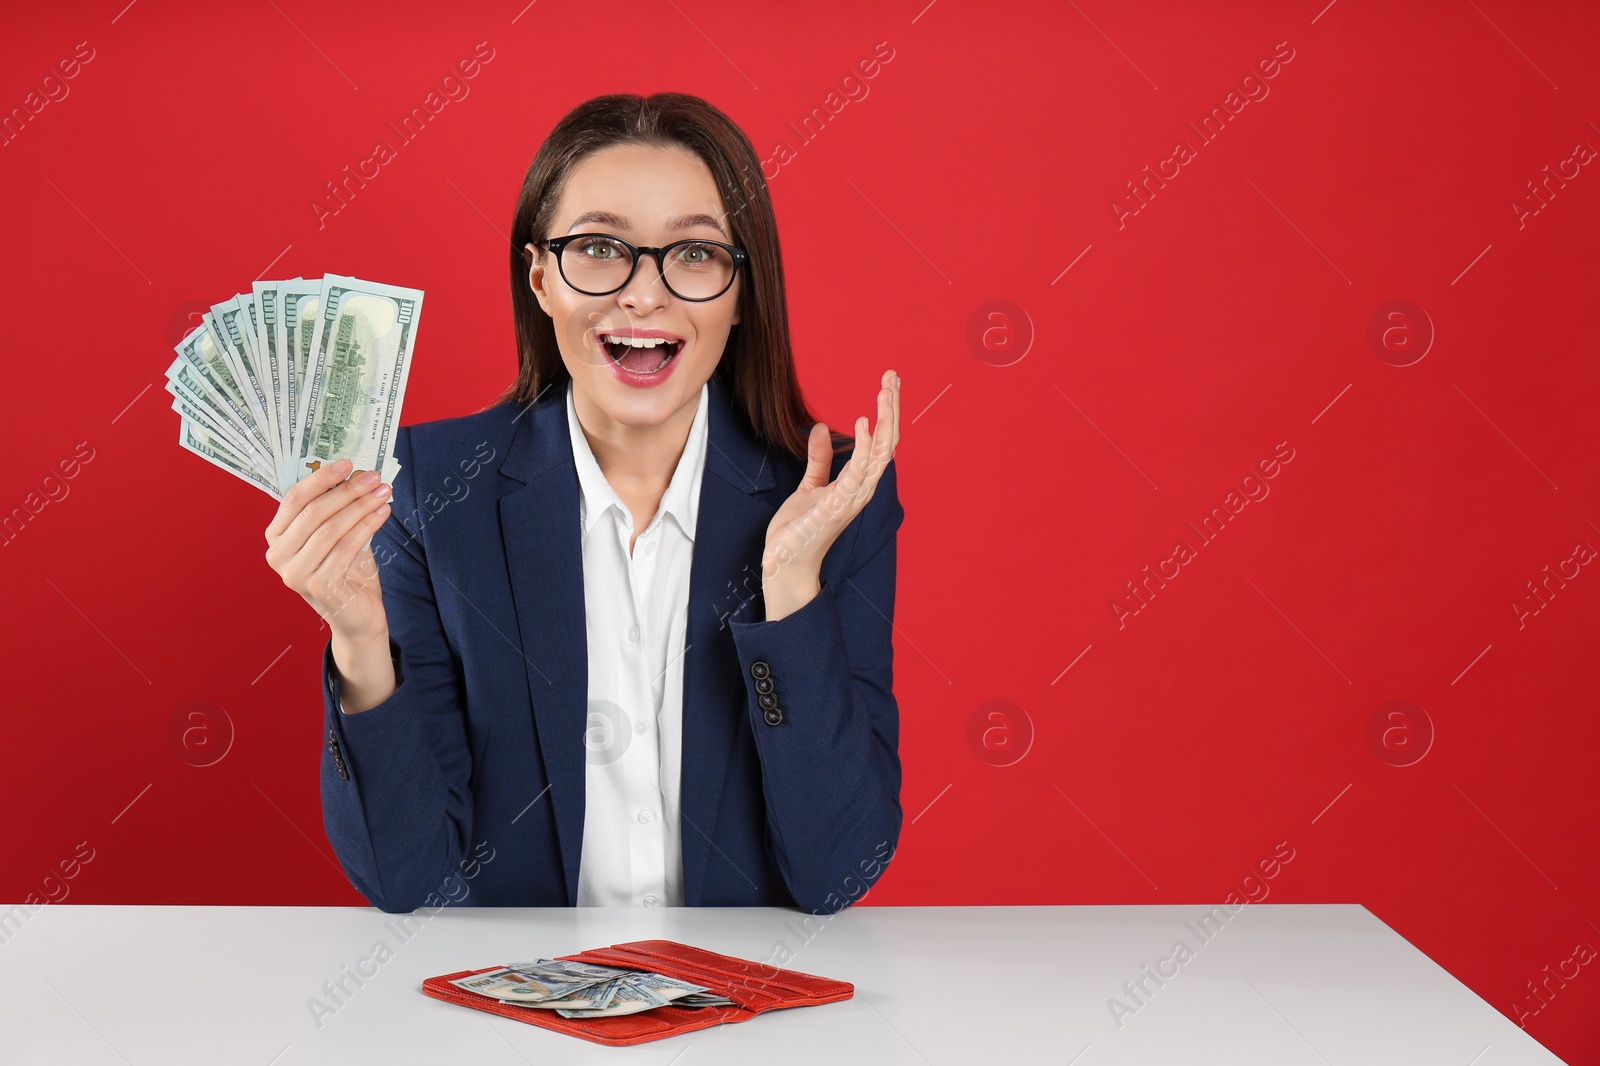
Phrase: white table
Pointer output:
(1279, 984)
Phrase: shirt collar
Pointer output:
(682, 498)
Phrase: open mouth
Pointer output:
(641, 356)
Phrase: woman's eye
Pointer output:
(599, 249)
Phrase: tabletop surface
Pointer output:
(1273, 983)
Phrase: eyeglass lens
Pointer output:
(599, 265)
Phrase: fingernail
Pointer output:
(368, 477)
(382, 491)
(342, 467)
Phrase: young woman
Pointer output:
(623, 636)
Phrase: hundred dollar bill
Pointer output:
(200, 442)
(533, 982)
(301, 298)
(268, 304)
(184, 384)
(356, 376)
(669, 987)
(634, 991)
(202, 409)
(661, 984)
(593, 998)
(632, 996)
(234, 332)
(266, 360)
(202, 419)
(200, 350)
(703, 999)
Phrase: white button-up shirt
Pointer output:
(637, 614)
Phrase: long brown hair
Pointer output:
(757, 365)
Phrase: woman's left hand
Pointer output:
(809, 521)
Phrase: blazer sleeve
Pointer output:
(395, 798)
(830, 763)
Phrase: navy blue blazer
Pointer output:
(470, 776)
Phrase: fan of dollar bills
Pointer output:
(293, 374)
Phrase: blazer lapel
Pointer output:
(736, 505)
(544, 551)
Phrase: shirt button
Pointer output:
(633, 634)
(639, 728)
(650, 549)
(646, 817)
(651, 900)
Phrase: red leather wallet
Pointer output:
(755, 987)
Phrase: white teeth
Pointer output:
(637, 342)
(641, 342)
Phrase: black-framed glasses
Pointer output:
(599, 264)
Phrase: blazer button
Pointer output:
(764, 685)
(338, 756)
(768, 702)
(773, 716)
(759, 669)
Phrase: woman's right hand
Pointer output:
(316, 543)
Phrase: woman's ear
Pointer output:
(530, 255)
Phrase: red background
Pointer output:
(1228, 315)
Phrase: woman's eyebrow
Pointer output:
(676, 222)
